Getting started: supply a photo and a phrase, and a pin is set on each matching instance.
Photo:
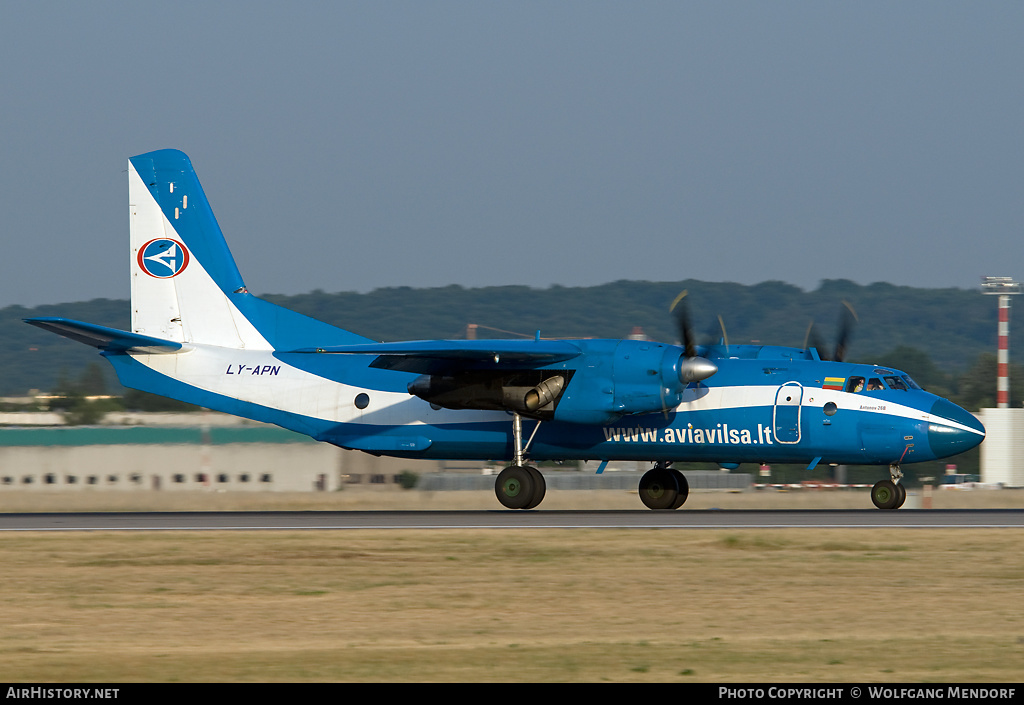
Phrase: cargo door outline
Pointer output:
(786, 413)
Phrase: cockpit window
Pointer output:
(910, 383)
(896, 383)
(875, 384)
(856, 384)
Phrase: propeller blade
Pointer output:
(813, 340)
(692, 368)
(683, 327)
(848, 317)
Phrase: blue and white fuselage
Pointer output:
(198, 335)
(753, 410)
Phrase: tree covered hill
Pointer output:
(950, 327)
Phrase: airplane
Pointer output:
(198, 335)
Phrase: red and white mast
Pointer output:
(1004, 287)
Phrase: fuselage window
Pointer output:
(856, 384)
(896, 383)
(910, 383)
(875, 384)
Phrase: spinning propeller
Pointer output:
(692, 368)
(847, 319)
(684, 330)
(681, 311)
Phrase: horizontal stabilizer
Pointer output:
(108, 339)
(435, 355)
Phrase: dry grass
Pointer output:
(531, 605)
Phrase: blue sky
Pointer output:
(348, 146)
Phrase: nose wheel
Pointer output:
(890, 494)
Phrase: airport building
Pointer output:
(173, 452)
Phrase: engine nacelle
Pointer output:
(629, 377)
(610, 379)
(651, 377)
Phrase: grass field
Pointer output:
(532, 605)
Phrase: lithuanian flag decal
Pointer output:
(834, 383)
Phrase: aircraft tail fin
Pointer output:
(185, 286)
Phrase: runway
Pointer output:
(426, 520)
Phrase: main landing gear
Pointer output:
(890, 494)
(520, 486)
(664, 487)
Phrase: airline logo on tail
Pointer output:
(163, 258)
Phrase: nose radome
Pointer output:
(962, 432)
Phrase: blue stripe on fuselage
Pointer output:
(717, 435)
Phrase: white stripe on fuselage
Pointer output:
(260, 378)
(747, 396)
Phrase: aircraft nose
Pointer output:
(953, 429)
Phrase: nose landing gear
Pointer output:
(890, 494)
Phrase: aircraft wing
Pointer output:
(104, 338)
(440, 356)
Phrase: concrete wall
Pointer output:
(237, 466)
(1002, 451)
(250, 459)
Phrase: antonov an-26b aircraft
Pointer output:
(199, 336)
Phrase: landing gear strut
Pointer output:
(890, 494)
(520, 486)
(663, 487)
